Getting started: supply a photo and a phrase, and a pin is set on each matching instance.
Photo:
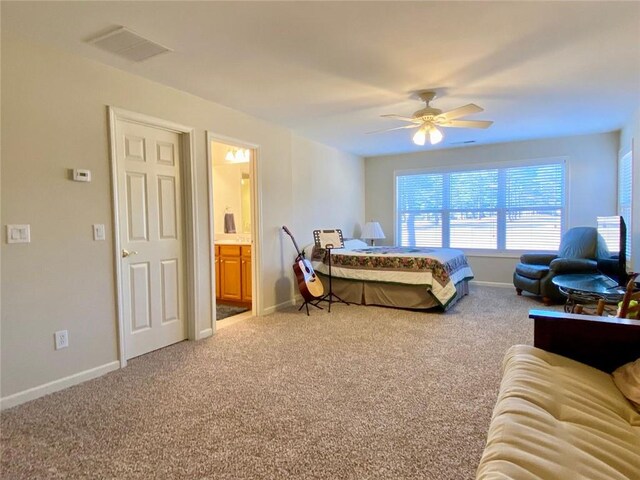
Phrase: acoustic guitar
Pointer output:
(309, 284)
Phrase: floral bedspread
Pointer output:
(437, 269)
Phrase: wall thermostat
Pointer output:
(81, 175)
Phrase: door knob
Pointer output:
(127, 253)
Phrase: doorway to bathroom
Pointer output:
(233, 218)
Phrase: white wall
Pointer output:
(630, 135)
(54, 118)
(328, 190)
(591, 170)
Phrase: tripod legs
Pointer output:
(330, 296)
(307, 303)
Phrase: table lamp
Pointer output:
(372, 231)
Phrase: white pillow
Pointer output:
(354, 244)
(627, 379)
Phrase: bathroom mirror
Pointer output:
(232, 191)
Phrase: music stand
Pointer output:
(329, 239)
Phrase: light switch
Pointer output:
(98, 231)
(18, 233)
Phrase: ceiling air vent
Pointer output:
(128, 45)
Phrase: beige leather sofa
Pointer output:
(559, 419)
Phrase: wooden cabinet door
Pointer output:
(231, 278)
(246, 279)
(246, 273)
(217, 258)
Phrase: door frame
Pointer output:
(256, 216)
(190, 210)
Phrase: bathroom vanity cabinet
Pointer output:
(233, 273)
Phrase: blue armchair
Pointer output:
(579, 248)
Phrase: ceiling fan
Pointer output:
(428, 119)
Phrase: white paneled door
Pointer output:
(151, 237)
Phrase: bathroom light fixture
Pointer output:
(238, 155)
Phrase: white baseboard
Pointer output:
(280, 306)
(60, 384)
(491, 284)
(207, 332)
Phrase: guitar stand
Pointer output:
(307, 303)
(329, 297)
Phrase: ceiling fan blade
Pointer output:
(461, 111)
(395, 128)
(467, 123)
(401, 117)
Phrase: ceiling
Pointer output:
(328, 70)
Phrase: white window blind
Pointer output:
(507, 208)
(534, 207)
(473, 216)
(625, 195)
(420, 210)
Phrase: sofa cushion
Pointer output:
(559, 419)
(532, 271)
(573, 265)
(579, 242)
(531, 285)
(627, 379)
(538, 258)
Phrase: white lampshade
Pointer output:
(372, 231)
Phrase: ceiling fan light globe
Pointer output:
(420, 137)
(435, 135)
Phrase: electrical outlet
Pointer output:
(62, 339)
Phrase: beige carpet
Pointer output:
(361, 393)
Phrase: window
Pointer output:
(625, 195)
(498, 208)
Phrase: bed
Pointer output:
(402, 277)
